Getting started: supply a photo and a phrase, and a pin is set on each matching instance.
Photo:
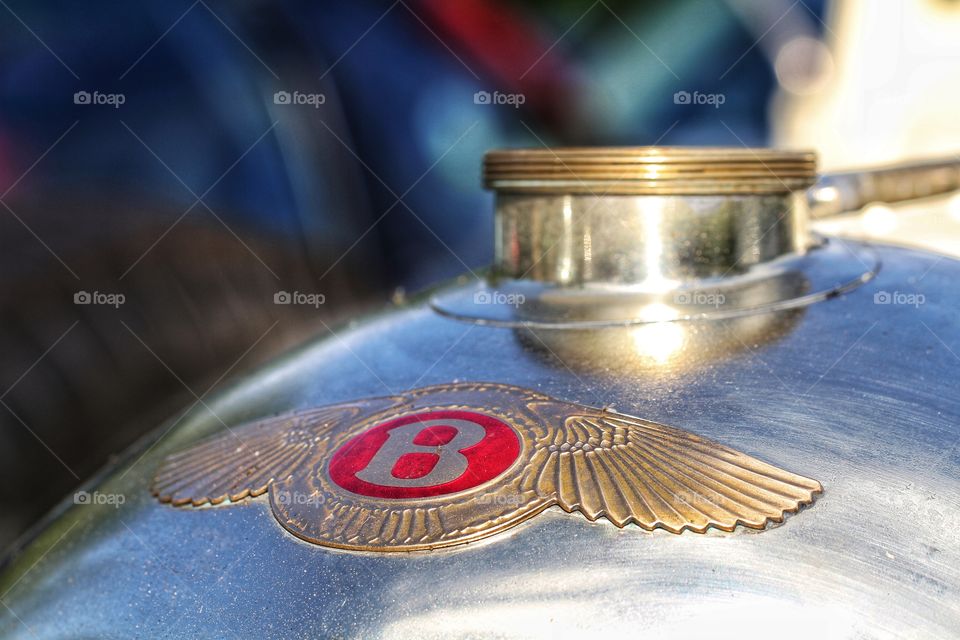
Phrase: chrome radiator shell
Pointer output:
(857, 393)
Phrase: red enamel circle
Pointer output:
(496, 450)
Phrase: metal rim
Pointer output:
(653, 170)
(835, 267)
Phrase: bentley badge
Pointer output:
(454, 463)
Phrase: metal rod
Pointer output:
(842, 192)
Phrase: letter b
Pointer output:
(450, 464)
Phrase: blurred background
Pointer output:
(188, 188)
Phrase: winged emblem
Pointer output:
(448, 464)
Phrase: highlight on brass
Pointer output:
(449, 464)
(649, 170)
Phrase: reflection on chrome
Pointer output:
(660, 339)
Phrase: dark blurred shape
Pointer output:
(196, 309)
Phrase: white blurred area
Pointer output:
(882, 86)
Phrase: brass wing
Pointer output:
(597, 462)
(245, 461)
(628, 470)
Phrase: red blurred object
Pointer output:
(514, 53)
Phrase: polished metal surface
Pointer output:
(829, 268)
(857, 390)
(861, 396)
(651, 217)
(681, 234)
(654, 243)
